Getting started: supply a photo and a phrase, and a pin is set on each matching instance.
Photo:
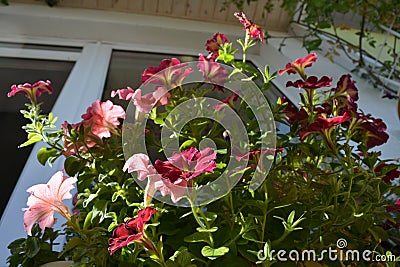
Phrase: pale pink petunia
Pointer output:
(139, 163)
(124, 94)
(103, 118)
(145, 103)
(45, 199)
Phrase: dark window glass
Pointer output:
(17, 71)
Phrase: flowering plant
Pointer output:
(227, 190)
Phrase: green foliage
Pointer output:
(324, 184)
(34, 250)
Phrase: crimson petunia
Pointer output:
(132, 231)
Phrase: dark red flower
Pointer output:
(252, 29)
(299, 65)
(170, 73)
(312, 82)
(31, 91)
(390, 171)
(132, 231)
(292, 114)
(396, 207)
(324, 127)
(215, 44)
(370, 131)
(346, 93)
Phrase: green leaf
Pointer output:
(198, 237)
(72, 165)
(213, 253)
(45, 153)
(186, 144)
(323, 25)
(211, 230)
(32, 138)
(75, 241)
(182, 257)
(32, 247)
(4, 2)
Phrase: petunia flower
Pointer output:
(370, 131)
(31, 91)
(132, 231)
(169, 73)
(215, 44)
(213, 72)
(311, 83)
(124, 94)
(396, 208)
(72, 147)
(252, 29)
(299, 65)
(45, 199)
(390, 175)
(227, 101)
(324, 127)
(103, 118)
(178, 170)
(145, 103)
(346, 93)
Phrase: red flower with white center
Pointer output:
(252, 29)
(299, 65)
(324, 127)
(180, 168)
(31, 91)
(213, 72)
(215, 44)
(169, 73)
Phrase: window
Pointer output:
(16, 70)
